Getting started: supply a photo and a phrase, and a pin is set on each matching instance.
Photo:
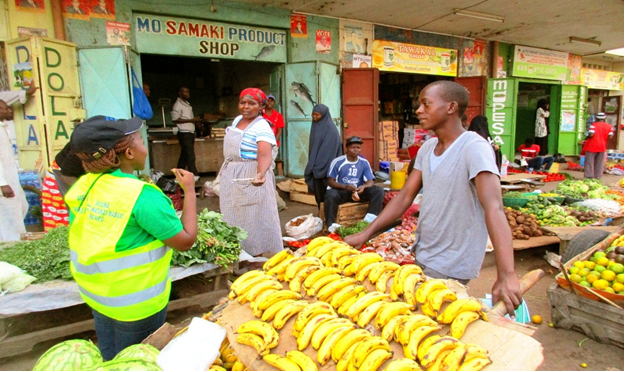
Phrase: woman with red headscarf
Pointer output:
(248, 197)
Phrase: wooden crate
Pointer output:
(20, 333)
(302, 197)
(348, 213)
(600, 322)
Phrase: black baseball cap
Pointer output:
(353, 139)
(99, 134)
(271, 96)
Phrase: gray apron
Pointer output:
(252, 208)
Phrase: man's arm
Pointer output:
(339, 186)
(506, 287)
(393, 210)
(362, 188)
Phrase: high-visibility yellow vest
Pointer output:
(129, 285)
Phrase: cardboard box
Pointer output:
(299, 186)
(303, 198)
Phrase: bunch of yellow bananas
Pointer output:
(227, 360)
(259, 335)
(293, 361)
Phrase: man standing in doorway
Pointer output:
(276, 121)
(13, 204)
(182, 116)
(595, 147)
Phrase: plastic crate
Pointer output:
(515, 202)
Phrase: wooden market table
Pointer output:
(565, 234)
(534, 242)
(519, 177)
(52, 310)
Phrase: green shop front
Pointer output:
(216, 55)
(511, 102)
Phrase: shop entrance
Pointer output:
(214, 85)
(371, 96)
(529, 95)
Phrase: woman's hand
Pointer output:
(185, 179)
(259, 180)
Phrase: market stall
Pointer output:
(588, 295)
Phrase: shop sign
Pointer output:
(500, 103)
(568, 107)
(417, 59)
(599, 79)
(361, 61)
(540, 63)
(190, 37)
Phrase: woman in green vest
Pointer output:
(121, 232)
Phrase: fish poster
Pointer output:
(299, 26)
(103, 9)
(35, 6)
(323, 41)
(117, 33)
(77, 9)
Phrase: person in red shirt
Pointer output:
(275, 119)
(529, 152)
(595, 146)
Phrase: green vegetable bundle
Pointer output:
(46, 259)
(513, 194)
(217, 242)
(584, 189)
(344, 231)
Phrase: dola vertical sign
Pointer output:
(190, 37)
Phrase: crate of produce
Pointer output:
(599, 321)
(515, 202)
(583, 279)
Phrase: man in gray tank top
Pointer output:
(462, 202)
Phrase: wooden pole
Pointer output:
(57, 18)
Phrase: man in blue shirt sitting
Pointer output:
(350, 179)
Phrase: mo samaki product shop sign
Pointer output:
(417, 59)
(183, 36)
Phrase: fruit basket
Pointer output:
(582, 288)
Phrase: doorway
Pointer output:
(528, 97)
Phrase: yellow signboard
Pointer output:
(599, 79)
(416, 59)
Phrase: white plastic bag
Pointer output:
(309, 227)
(194, 350)
(18, 283)
(8, 272)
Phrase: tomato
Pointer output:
(306, 241)
(296, 244)
(335, 236)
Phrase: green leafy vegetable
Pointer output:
(513, 194)
(217, 242)
(46, 259)
(344, 231)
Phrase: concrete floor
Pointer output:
(561, 350)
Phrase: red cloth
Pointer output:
(276, 120)
(256, 94)
(52, 205)
(599, 141)
(413, 150)
(529, 152)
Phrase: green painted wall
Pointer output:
(92, 33)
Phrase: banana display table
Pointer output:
(509, 344)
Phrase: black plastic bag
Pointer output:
(168, 185)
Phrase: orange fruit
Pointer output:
(579, 264)
(600, 284)
(589, 265)
(591, 278)
(537, 319)
(608, 275)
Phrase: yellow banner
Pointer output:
(416, 59)
(599, 79)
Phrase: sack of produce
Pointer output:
(303, 227)
(70, 355)
(8, 272)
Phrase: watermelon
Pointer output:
(128, 364)
(70, 355)
(141, 351)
